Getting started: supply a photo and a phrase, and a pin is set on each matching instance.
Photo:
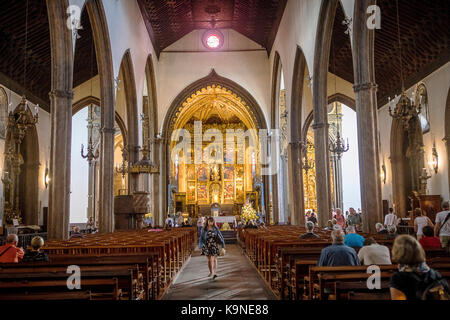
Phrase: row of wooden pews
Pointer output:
(289, 265)
(126, 265)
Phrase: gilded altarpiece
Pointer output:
(229, 177)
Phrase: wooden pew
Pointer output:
(100, 289)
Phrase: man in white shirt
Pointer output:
(442, 227)
(390, 219)
(373, 253)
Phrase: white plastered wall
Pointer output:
(437, 85)
(186, 61)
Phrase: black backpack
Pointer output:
(433, 287)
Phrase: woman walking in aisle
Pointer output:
(209, 238)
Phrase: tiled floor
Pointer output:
(238, 280)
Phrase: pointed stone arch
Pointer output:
(107, 97)
(212, 79)
(320, 103)
(132, 146)
(295, 148)
(151, 110)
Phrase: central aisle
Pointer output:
(237, 279)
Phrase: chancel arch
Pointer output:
(232, 178)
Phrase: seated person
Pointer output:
(9, 253)
(414, 276)
(35, 254)
(76, 234)
(352, 239)
(380, 228)
(313, 218)
(309, 231)
(338, 254)
(428, 240)
(373, 253)
(392, 232)
(329, 225)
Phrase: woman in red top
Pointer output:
(428, 240)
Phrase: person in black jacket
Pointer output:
(35, 254)
(210, 237)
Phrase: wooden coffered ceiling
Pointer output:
(425, 40)
(424, 29)
(37, 80)
(169, 20)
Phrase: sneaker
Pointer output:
(215, 276)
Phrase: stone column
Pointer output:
(323, 187)
(369, 163)
(297, 206)
(163, 181)
(338, 187)
(367, 117)
(61, 96)
(60, 156)
(154, 180)
(106, 214)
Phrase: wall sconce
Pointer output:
(383, 173)
(46, 177)
(434, 158)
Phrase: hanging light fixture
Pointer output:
(434, 158)
(91, 154)
(212, 38)
(337, 147)
(405, 109)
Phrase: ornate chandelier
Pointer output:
(90, 156)
(338, 147)
(405, 110)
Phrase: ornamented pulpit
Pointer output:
(129, 210)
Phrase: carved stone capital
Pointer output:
(365, 86)
(296, 144)
(109, 130)
(316, 126)
(68, 94)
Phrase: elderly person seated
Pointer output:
(76, 234)
(429, 240)
(414, 276)
(380, 228)
(352, 239)
(10, 253)
(373, 253)
(35, 254)
(309, 231)
(338, 254)
(391, 232)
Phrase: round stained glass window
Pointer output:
(213, 39)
